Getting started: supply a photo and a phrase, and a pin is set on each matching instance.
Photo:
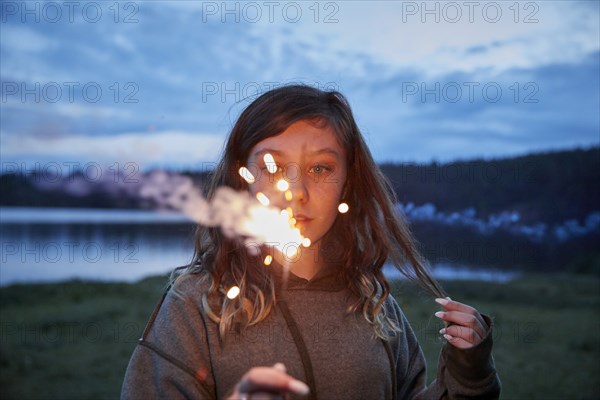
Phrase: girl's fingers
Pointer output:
(466, 334)
(280, 367)
(462, 314)
(452, 305)
(463, 319)
(458, 342)
(271, 380)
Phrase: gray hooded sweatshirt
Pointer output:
(182, 356)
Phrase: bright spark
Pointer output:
(233, 292)
(246, 174)
(306, 242)
(283, 185)
(270, 225)
(270, 163)
(288, 195)
(268, 259)
(343, 208)
(264, 200)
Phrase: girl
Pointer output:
(320, 323)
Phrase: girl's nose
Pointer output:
(299, 190)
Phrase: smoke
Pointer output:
(238, 214)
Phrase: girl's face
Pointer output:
(312, 161)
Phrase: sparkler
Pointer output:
(239, 215)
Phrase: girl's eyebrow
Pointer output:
(262, 152)
(328, 150)
(325, 150)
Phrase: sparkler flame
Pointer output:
(238, 214)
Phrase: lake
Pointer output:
(57, 244)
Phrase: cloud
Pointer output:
(144, 149)
(26, 40)
(421, 36)
(168, 59)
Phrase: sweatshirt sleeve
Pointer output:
(461, 373)
(172, 359)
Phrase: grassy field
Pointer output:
(73, 340)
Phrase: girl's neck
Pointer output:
(304, 265)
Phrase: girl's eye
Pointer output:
(320, 169)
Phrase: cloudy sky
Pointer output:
(160, 83)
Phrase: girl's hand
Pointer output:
(466, 326)
(267, 383)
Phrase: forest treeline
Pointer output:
(549, 187)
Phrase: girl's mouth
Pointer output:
(301, 220)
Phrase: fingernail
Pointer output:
(448, 297)
(298, 387)
(442, 331)
(439, 314)
(448, 337)
(441, 301)
(279, 366)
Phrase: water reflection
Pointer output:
(51, 252)
(37, 248)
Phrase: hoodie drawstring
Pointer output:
(301, 346)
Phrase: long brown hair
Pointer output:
(374, 225)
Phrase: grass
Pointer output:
(73, 340)
(546, 344)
